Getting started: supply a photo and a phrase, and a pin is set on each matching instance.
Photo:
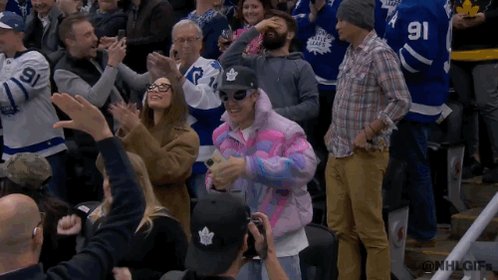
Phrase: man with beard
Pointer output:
(286, 77)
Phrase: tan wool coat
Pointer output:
(169, 153)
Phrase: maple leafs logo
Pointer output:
(467, 9)
(321, 43)
(232, 75)
(205, 236)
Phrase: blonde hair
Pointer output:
(152, 206)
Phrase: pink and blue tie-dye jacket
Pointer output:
(279, 164)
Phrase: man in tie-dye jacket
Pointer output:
(267, 158)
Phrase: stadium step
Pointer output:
(462, 221)
(476, 195)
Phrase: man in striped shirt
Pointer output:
(371, 97)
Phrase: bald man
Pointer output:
(21, 233)
(21, 236)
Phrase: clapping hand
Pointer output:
(126, 114)
(84, 116)
(160, 66)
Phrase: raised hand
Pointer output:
(69, 225)
(270, 23)
(160, 66)
(121, 273)
(84, 116)
(106, 42)
(116, 52)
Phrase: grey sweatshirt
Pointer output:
(289, 80)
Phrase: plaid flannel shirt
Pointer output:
(370, 86)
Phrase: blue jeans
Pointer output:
(57, 184)
(409, 143)
(255, 270)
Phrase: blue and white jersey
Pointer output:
(420, 32)
(26, 110)
(384, 9)
(320, 40)
(205, 106)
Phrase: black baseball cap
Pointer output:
(238, 78)
(218, 227)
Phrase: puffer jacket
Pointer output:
(279, 164)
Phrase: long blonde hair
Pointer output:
(152, 206)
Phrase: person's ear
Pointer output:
(290, 35)
(38, 236)
(69, 42)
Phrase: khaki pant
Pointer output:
(354, 212)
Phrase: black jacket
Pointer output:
(484, 36)
(112, 240)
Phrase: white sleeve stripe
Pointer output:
(23, 89)
(405, 64)
(416, 55)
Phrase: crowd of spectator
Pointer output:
(167, 102)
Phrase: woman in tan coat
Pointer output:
(161, 136)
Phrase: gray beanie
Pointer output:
(357, 12)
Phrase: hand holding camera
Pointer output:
(257, 244)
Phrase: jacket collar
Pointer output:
(31, 272)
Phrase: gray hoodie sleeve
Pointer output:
(308, 105)
(73, 84)
(233, 55)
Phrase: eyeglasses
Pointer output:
(237, 96)
(188, 40)
(160, 87)
(40, 224)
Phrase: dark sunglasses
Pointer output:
(237, 96)
(161, 87)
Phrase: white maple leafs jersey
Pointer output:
(26, 110)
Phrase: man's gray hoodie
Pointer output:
(289, 80)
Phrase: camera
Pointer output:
(251, 247)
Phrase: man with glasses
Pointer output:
(266, 158)
(21, 236)
(198, 77)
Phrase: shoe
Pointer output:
(472, 169)
(491, 176)
(414, 243)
